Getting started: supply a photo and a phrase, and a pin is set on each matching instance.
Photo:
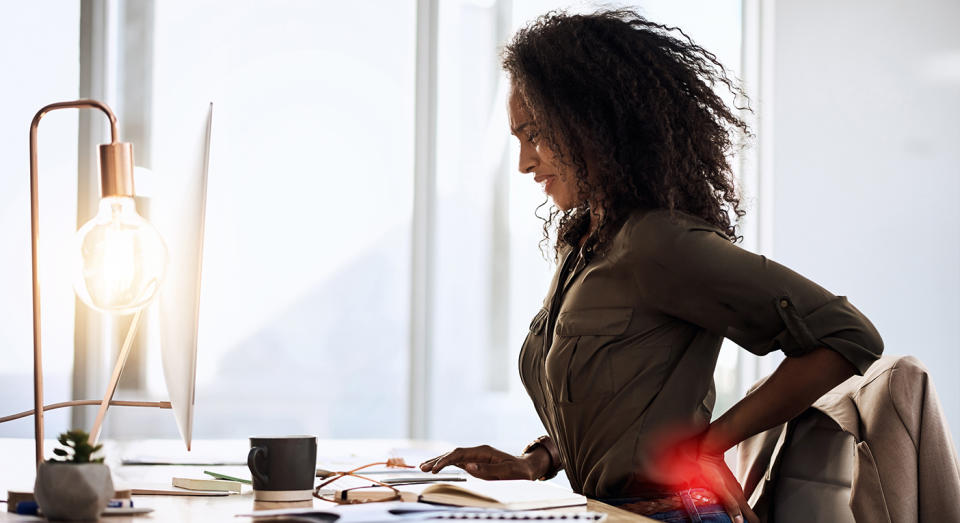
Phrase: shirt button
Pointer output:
(784, 304)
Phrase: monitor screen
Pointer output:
(182, 223)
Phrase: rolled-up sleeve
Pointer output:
(692, 272)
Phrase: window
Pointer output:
(49, 72)
(305, 321)
(304, 298)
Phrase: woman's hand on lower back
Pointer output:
(721, 480)
(689, 463)
(486, 462)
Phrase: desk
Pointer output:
(17, 472)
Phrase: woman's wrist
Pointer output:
(544, 444)
(539, 462)
(716, 440)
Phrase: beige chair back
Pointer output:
(816, 473)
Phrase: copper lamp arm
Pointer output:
(77, 104)
(34, 236)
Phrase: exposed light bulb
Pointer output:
(123, 259)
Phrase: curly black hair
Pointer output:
(636, 101)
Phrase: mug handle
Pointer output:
(252, 464)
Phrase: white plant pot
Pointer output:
(67, 491)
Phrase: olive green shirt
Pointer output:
(621, 357)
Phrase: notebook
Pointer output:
(385, 512)
(476, 493)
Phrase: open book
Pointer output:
(406, 512)
(505, 494)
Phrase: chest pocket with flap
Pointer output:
(579, 365)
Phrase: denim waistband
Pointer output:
(679, 505)
(651, 495)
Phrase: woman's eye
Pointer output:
(532, 136)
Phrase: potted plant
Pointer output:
(75, 485)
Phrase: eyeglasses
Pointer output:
(334, 476)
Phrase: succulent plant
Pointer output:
(76, 448)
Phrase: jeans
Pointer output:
(705, 513)
(691, 513)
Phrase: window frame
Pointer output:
(115, 66)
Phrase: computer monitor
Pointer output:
(181, 218)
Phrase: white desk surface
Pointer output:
(17, 472)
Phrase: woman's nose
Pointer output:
(528, 160)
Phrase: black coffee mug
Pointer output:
(283, 467)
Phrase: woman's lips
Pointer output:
(546, 180)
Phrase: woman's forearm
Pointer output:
(793, 387)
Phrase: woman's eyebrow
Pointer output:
(520, 127)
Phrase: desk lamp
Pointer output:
(121, 261)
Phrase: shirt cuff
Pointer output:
(837, 325)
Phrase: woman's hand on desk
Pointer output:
(486, 462)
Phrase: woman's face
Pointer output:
(559, 183)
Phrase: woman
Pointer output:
(618, 120)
